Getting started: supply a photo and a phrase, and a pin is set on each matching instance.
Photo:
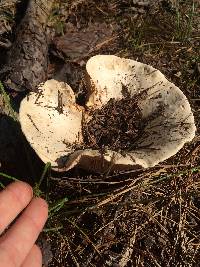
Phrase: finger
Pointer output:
(13, 199)
(34, 258)
(20, 238)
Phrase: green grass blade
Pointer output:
(46, 169)
(8, 177)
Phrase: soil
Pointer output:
(115, 126)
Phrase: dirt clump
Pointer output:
(117, 125)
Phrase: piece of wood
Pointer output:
(28, 57)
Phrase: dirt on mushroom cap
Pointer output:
(117, 125)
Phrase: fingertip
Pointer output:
(42, 205)
(37, 251)
(42, 202)
(13, 199)
(20, 189)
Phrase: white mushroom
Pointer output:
(170, 119)
(170, 122)
(51, 121)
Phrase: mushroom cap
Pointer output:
(170, 122)
(165, 107)
(51, 121)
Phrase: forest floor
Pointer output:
(145, 217)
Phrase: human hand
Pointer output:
(17, 245)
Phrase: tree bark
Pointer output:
(28, 57)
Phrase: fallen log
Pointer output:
(27, 60)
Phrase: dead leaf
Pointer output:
(77, 44)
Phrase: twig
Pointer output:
(86, 236)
